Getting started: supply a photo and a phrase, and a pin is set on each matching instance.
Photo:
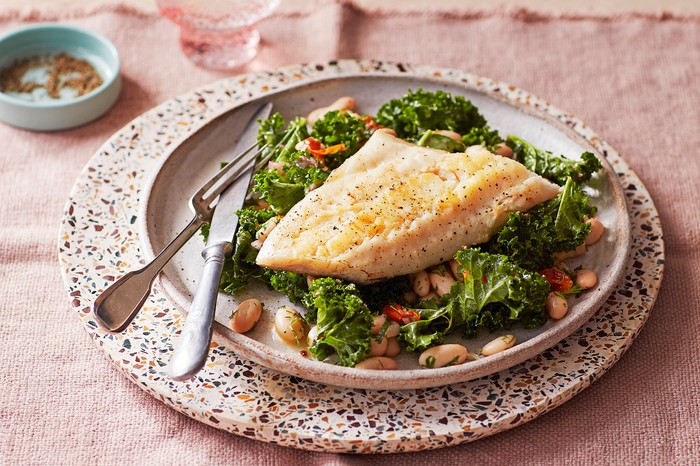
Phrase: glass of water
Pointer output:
(218, 34)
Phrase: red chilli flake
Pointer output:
(558, 280)
(400, 314)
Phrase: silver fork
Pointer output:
(117, 306)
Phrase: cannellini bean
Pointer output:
(393, 348)
(557, 306)
(378, 323)
(393, 330)
(246, 315)
(343, 103)
(454, 268)
(378, 348)
(420, 282)
(377, 363)
(586, 278)
(569, 254)
(443, 355)
(503, 150)
(441, 281)
(310, 279)
(266, 229)
(597, 230)
(290, 325)
(312, 336)
(429, 296)
(449, 133)
(498, 345)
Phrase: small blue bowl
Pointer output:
(51, 114)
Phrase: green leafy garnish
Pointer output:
(338, 127)
(530, 239)
(555, 169)
(494, 294)
(343, 321)
(417, 112)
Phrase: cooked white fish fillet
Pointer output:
(395, 208)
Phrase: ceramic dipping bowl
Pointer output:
(34, 47)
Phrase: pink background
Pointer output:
(632, 78)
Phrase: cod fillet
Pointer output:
(395, 208)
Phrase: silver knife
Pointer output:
(192, 347)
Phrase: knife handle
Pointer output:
(192, 347)
(117, 306)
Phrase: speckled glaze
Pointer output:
(100, 240)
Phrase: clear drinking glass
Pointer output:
(218, 34)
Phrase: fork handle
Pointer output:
(192, 347)
(117, 306)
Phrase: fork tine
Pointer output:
(221, 173)
(225, 177)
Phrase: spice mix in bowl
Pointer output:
(55, 77)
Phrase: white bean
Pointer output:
(377, 363)
(377, 324)
(393, 330)
(246, 315)
(560, 256)
(290, 325)
(441, 281)
(597, 230)
(586, 278)
(443, 355)
(309, 280)
(503, 150)
(343, 103)
(266, 229)
(449, 133)
(420, 282)
(429, 296)
(378, 348)
(393, 348)
(557, 306)
(312, 336)
(498, 345)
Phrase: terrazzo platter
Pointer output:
(111, 226)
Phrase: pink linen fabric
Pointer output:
(632, 78)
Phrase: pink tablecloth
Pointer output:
(632, 78)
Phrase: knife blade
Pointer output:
(192, 347)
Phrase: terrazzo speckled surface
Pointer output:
(99, 241)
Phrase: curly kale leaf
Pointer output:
(495, 294)
(555, 169)
(283, 188)
(290, 284)
(416, 112)
(343, 321)
(482, 136)
(338, 127)
(530, 239)
(281, 142)
(241, 266)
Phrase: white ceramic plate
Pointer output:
(188, 166)
(100, 240)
